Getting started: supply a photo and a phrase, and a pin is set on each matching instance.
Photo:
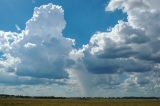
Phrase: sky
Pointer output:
(72, 48)
(89, 16)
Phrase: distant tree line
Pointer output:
(82, 98)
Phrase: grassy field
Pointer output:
(69, 102)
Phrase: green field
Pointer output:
(71, 102)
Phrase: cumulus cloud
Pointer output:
(128, 44)
(7, 39)
(39, 54)
(120, 51)
(43, 50)
(129, 47)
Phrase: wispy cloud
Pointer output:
(17, 27)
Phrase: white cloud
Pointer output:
(47, 20)
(17, 27)
(6, 40)
(8, 63)
(39, 52)
(29, 45)
(43, 50)
(129, 47)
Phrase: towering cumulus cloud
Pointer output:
(38, 52)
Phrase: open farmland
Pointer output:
(76, 102)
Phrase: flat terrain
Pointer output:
(76, 102)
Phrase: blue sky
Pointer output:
(83, 21)
(94, 48)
